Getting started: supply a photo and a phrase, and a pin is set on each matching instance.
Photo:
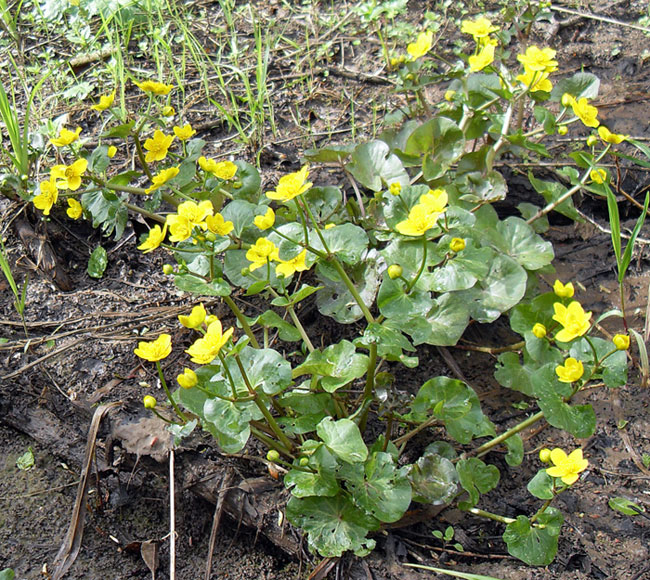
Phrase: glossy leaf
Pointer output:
(434, 479)
(343, 439)
(97, 262)
(476, 477)
(375, 167)
(541, 486)
(535, 544)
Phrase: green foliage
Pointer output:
(535, 544)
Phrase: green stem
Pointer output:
(352, 288)
(483, 449)
(224, 366)
(541, 510)
(491, 516)
(180, 414)
(262, 407)
(413, 282)
(369, 390)
(270, 442)
(242, 320)
(300, 327)
(143, 162)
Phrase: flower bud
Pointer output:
(395, 188)
(304, 461)
(111, 151)
(168, 111)
(273, 455)
(394, 271)
(567, 100)
(168, 269)
(539, 330)
(562, 130)
(449, 95)
(545, 455)
(188, 379)
(621, 341)
(211, 236)
(592, 140)
(457, 244)
(245, 271)
(149, 402)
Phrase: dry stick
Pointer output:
(218, 510)
(599, 18)
(72, 541)
(172, 518)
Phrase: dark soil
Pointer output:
(79, 352)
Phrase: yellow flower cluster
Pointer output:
(587, 113)
(291, 186)
(62, 177)
(264, 252)
(221, 169)
(424, 215)
(481, 28)
(421, 46)
(207, 348)
(538, 64)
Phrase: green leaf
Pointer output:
(323, 201)
(228, 423)
(463, 270)
(375, 167)
(7, 574)
(329, 154)
(197, 285)
(121, 131)
(320, 482)
(333, 524)
(443, 324)
(581, 84)
(625, 506)
(613, 368)
(541, 486)
(271, 319)
(551, 191)
(246, 183)
(338, 364)
(99, 160)
(304, 291)
(107, 211)
(476, 477)
(389, 340)
(267, 370)
(500, 290)
(515, 448)
(305, 410)
(347, 242)
(433, 479)
(439, 142)
(514, 237)
(241, 213)
(97, 262)
(394, 302)
(343, 439)
(26, 461)
(378, 487)
(527, 211)
(535, 544)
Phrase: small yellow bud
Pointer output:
(539, 330)
(149, 402)
(567, 100)
(545, 455)
(449, 95)
(168, 269)
(211, 236)
(168, 111)
(562, 130)
(394, 271)
(188, 379)
(395, 188)
(304, 461)
(457, 244)
(621, 341)
(112, 150)
(273, 455)
(592, 140)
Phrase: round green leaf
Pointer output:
(343, 439)
(535, 544)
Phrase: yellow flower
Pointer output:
(457, 244)
(598, 175)
(296, 264)
(154, 239)
(154, 87)
(567, 467)
(329, 226)
(66, 137)
(262, 252)
(478, 28)
(196, 213)
(225, 170)
(217, 225)
(536, 59)
(485, 57)
(161, 178)
(105, 102)
(585, 112)
(74, 211)
(208, 165)
(180, 227)
(156, 350)
(195, 319)
(420, 220)
(157, 146)
(571, 371)
(608, 137)
(47, 196)
(112, 150)
(435, 200)
(621, 341)
(421, 46)
(395, 188)
(149, 402)
(539, 330)
(205, 350)
(69, 176)
(188, 379)
(535, 81)
(574, 320)
(563, 290)
(185, 132)
(264, 222)
(291, 185)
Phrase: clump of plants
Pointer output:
(410, 256)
